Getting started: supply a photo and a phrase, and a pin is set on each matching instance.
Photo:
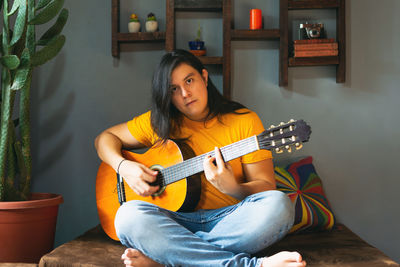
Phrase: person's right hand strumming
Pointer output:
(109, 144)
(138, 177)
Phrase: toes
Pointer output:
(294, 256)
(128, 263)
(131, 252)
(296, 264)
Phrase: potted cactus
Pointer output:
(21, 52)
(197, 45)
(151, 23)
(134, 23)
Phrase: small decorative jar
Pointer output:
(134, 23)
(151, 23)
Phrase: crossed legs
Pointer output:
(223, 237)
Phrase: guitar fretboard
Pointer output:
(195, 165)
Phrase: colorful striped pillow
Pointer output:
(301, 183)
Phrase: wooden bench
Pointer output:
(16, 264)
(338, 247)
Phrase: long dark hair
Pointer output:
(165, 117)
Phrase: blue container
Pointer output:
(196, 45)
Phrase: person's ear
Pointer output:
(204, 73)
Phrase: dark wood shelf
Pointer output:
(313, 61)
(265, 34)
(141, 37)
(230, 34)
(313, 4)
(206, 60)
(195, 5)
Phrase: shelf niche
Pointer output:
(339, 61)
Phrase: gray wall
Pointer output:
(355, 125)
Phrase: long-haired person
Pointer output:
(239, 211)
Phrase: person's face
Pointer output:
(189, 91)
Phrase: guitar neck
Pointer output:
(195, 165)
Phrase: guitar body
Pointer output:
(182, 195)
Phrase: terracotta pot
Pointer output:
(27, 228)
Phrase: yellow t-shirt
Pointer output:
(203, 138)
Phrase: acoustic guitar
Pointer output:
(179, 170)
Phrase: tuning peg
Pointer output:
(281, 131)
(291, 128)
(293, 138)
(299, 146)
(292, 120)
(272, 126)
(288, 148)
(278, 150)
(283, 140)
(281, 123)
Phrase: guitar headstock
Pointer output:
(285, 135)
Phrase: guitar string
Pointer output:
(175, 172)
(195, 165)
(187, 168)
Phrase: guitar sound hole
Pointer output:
(159, 192)
(157, 167)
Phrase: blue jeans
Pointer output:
(220, 237)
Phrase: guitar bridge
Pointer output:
(121, 190)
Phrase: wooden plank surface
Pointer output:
(313, 61)
(265, 34)
(196, 5)
(313, 4)
(141, 36)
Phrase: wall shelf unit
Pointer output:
(231, 34)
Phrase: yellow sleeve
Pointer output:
(254, 126)
(140, 128)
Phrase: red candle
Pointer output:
(255, 19)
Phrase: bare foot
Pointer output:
(134, 258)
(284, 259)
